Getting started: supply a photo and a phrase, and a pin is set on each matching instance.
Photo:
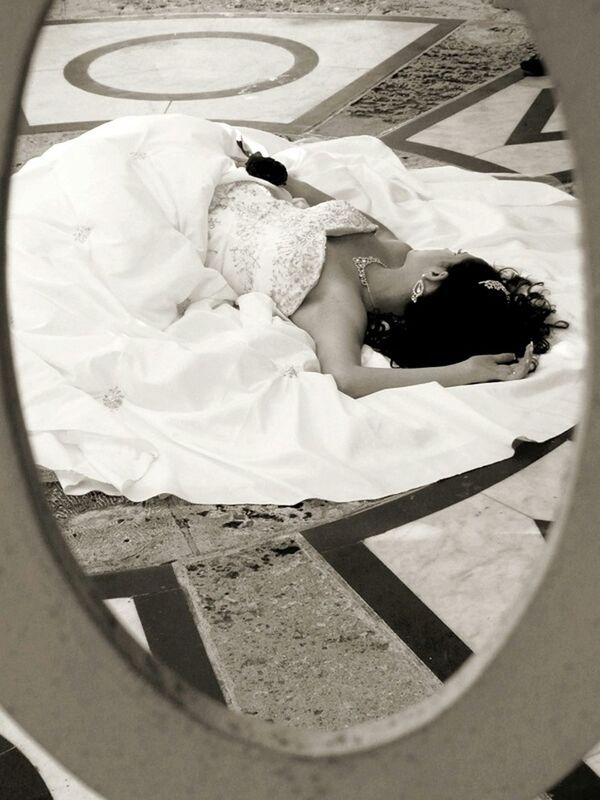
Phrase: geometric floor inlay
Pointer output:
(510, 124)
(285, 73)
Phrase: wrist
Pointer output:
(459, 374)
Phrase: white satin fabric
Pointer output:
(140, 375)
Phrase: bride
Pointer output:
(166, 304)
(347, 280)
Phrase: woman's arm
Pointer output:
(310, 193)
(314, 196)
(338, 331)
(358, 381)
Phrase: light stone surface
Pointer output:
(61, 783)
(292, 642)
(125, 611)
(125, 537)
(347, 49)
(190, 65)
(531, 159)
(489, 122)
(468, 563)
(220, 528)
(97, 526)
(539, 489)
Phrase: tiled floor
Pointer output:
(297, 70)
(371, 609)
(513, 125)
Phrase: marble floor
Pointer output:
(514, 125)
(316, 615)
(297, 69)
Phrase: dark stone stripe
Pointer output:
(532, 122)
(77, 71)
(134, 582)
(405, 130)
(471, 163)
(429, 638)
(580, 784)
(388, 67)
(167, 621)
(19, 779)
(422, 502)
(543, 526)
(410, 619)
(529, 129)
(174, 639)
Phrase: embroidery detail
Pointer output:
(113, 398)
(138, 155)
(290, 372)
(265, 244)
(81, 233)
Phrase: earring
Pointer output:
(418, 290)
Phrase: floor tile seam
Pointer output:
(508, 505)
(184, 528)
(223, 676)
(111, 17)
(233, 550)
(484, 154)
(136, 595)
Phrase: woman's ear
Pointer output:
(436, 275)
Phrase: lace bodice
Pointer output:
(265, 244)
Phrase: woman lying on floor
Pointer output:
(347, 280)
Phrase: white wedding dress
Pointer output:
(142, 370)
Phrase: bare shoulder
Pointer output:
(337, 325)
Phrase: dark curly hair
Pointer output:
(463, 318)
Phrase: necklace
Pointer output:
(361, 263)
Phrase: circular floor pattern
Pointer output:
(162, 55)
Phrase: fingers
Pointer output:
(523, 366)
(504, 358)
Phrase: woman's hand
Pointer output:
(500, 367)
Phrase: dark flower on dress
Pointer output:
(267, 168)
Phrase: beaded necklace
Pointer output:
(361, 263)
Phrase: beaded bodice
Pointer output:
(261, 243)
